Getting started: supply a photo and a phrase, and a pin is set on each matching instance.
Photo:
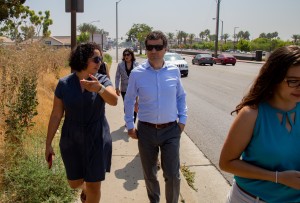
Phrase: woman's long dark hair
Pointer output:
(271, 74)
(131, 53)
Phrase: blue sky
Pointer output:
(191, 16)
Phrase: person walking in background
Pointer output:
(162, 117)
(122, 74)
(85, 143)
(266, 133)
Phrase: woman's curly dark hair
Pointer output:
(80, 55)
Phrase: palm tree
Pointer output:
(296, 38)
(170, 37)
(184, 35)
(202, 35)
(86, 27)
(179, 37)
(191, 38)
(225, 36)
(207, 34)
(246, 35)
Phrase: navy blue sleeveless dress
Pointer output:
(85, 144)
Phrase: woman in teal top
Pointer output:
(266, 134)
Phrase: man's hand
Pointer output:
(133, 133)
(181, 125)
(118, 91)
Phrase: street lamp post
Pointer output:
(217, 28)
(221, 32)
(234, 37)
(117, 30)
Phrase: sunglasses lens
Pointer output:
(97, 59)
(156, 47)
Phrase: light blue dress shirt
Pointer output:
(160, 92)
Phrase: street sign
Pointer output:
(76, 5)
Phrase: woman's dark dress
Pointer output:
(85, 144)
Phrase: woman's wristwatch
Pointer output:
(101, 89)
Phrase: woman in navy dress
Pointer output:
(85, 143)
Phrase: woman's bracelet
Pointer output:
(101, 89)
(276, 180)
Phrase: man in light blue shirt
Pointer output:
(162, 117)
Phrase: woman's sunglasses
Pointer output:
(127, 54)
(97, 59)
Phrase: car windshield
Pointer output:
(228, 55)
(205, 55)
(172, 57)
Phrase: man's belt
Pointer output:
(158, 126)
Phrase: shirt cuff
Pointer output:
(182, 120)
(129, 125)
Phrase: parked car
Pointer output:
(225, 59)
(177, 60)
(202, 59)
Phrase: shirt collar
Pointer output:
(148, 66)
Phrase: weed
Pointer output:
(189, 176)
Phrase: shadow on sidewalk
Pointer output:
(120, 134)
(131, 173)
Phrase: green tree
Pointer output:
(207, 34)
(138, 32)
(225, 36)
(23, 20)
(83, 37)
(10, 8)
(179, 37)
(170, 37)
(86, 27)
(46, 23)
(263, 35)
(90, 29)
(246, 35)
(184, 36)
(28, 32)
(202, 35)
(191, 38)
(296, 38)
(243, 45)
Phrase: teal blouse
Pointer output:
(274, 148)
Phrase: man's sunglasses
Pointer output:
(157, 47)
(97, 59)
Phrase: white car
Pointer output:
(177, 60)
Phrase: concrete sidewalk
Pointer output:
(125, 182)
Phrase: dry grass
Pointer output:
(45, 93)
(15, 62)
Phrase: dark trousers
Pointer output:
(167, 140)
(134, 113)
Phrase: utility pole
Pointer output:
(217, 28)
(222, 37)
(117, 30)
(73, 24)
